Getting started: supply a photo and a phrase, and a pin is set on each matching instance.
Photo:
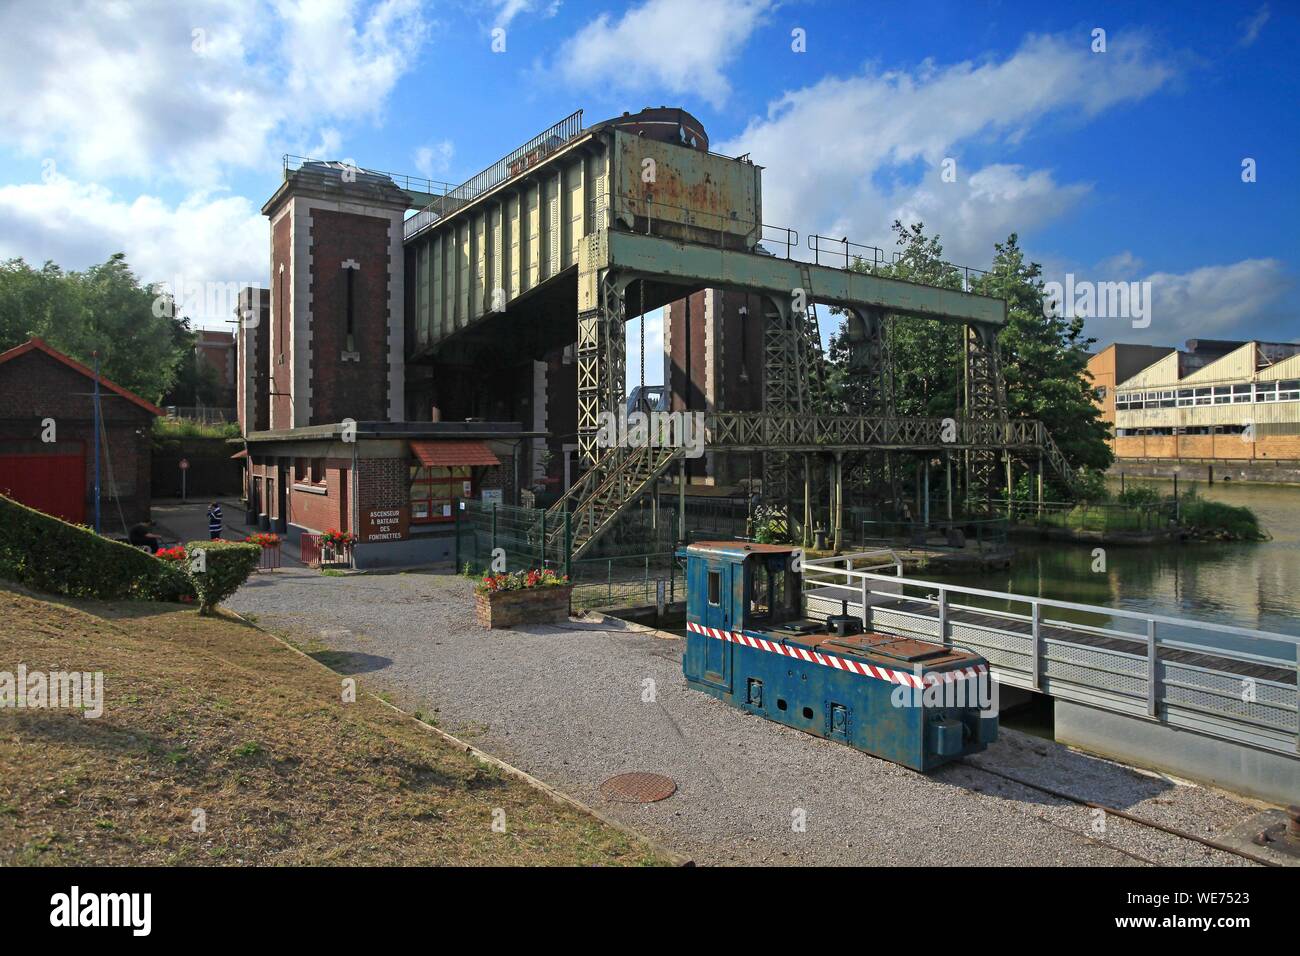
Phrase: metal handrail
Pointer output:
(877, 257)
(966, 271)
(402, 180)
(1085, 608)
(514, 163)
(1168, 683)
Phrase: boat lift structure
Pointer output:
(606, 223)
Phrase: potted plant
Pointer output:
(336, 546)
(537, 596)
(270, 545)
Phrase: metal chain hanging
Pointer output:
(642, 392)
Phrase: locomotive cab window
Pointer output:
(715, 587)
(773, 591)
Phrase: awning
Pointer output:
(449, 454)
(243, 453)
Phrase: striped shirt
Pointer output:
(214, 519)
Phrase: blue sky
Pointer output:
(157, 128)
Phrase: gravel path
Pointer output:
(568, 705)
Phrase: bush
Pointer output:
(218, 568)
(1216, 518)
(1139, 496)
(51, 555)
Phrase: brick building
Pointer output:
(47, 440)
(215, 349)
(1231, 404)
(322, 384)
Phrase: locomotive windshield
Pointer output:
(773, 591)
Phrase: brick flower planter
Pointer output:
(546, 605)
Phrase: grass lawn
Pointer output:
(211, 714)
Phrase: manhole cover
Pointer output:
(638, 787)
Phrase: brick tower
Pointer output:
(336, 338)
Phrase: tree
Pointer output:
(925, 354)
(104, 309)
(1045, 360)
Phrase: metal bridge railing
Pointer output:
(1232, 683)
(868, 255)
(514, 163)
(415, 184)
(761, 429)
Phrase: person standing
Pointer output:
(214, 521)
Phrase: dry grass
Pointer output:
(211, 714)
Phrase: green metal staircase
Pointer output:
(608, 488)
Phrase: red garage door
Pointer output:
(53, 481)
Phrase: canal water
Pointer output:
(1252, 585)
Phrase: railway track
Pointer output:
(1123, 815)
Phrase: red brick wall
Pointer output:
(316, 512)
(35, 386)
(280, 359)
(383, 483)
(1218, 447)
(349, 389)
(254, 343)
(675, 330)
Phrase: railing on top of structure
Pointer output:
(517, 161)
(415, 184)
(1234, 683)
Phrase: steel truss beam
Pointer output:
(602, 362)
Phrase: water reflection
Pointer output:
(1247, 585)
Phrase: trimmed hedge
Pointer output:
(221, 569)
(51, 555)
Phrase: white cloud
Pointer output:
(1251, 27)
(190, 90)
(434, 161)
(839, 152)
(204, 238)
(1214, 301)
(507, 10)
(674, 46)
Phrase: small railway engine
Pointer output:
(748, 643)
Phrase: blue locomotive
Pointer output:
(748, 643)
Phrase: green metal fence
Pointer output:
(629, 580)
(1087, 516)
(520, 534)
(982, 534)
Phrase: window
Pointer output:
(774, 594)
(1222, 395)
(1203, 396)
(1266, 392)
(1184, 397)
(300, 471)
(715, 588)
(435, 489)
(318, 471)
(1242, 393)
(1167, 399)
(1288, 391)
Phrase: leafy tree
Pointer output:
(1044, 358)
(105, 309)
